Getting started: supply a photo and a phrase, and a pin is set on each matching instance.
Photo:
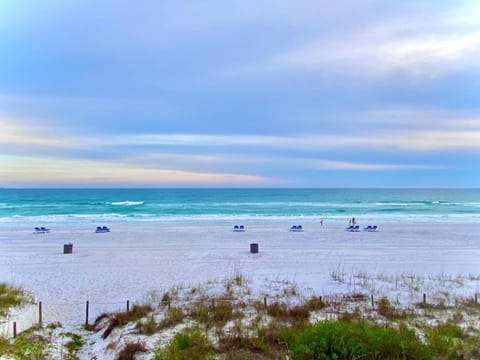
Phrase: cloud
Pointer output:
(425, 45)
(12, 132)
(406, 139)
(322, 164)
(431, 134)
(25, 171)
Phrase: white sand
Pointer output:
(107, 269)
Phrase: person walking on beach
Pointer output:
(353, 221)
(321, 222)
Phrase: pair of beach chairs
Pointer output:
(102, 229)
(41, 230)
(296, 228)
(356, 228)
(239, 228)
(353, 228)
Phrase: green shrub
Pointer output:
(190, 344)
(343, 340)
(27, 345)
(445, 339)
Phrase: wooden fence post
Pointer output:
(14, 329)
(128, 306)
(424, 299)
(40, 316)
(265, 302)
(86, 313)
(476, 299)
(373, 304)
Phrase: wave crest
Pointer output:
(126, 203)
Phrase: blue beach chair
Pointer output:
(239, 228)
(102, 229)
(41, 230)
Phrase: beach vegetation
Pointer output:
(173, 317)
(53, 326)
(165, 298)
(216, 314)
(387, 310)
(10, 297)
(73, 345)
(28, 345)
(445, 339)
(147, 326)
(346, 340)
(351, 316)
(315, 303)
(190, 344)
(130, 350)
(122, 318)
(230, 325)
(294, 315)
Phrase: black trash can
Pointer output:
(254, 248)
(68, 248)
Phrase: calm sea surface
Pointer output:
(35, 206)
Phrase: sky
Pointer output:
(239, 93)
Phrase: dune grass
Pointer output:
(190, 344)
(11, 297)
(222, 321)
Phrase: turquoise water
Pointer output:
(180, 205)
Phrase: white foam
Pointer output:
(127, 203)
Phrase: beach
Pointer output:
(137, 258)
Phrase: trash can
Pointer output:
(68, 248)
(254, 248)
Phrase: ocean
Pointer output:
(39, 206)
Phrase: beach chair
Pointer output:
(353, 228)
(367, 228)
(41, 230)
(239, 228)
(296, 228)
(102, 229)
